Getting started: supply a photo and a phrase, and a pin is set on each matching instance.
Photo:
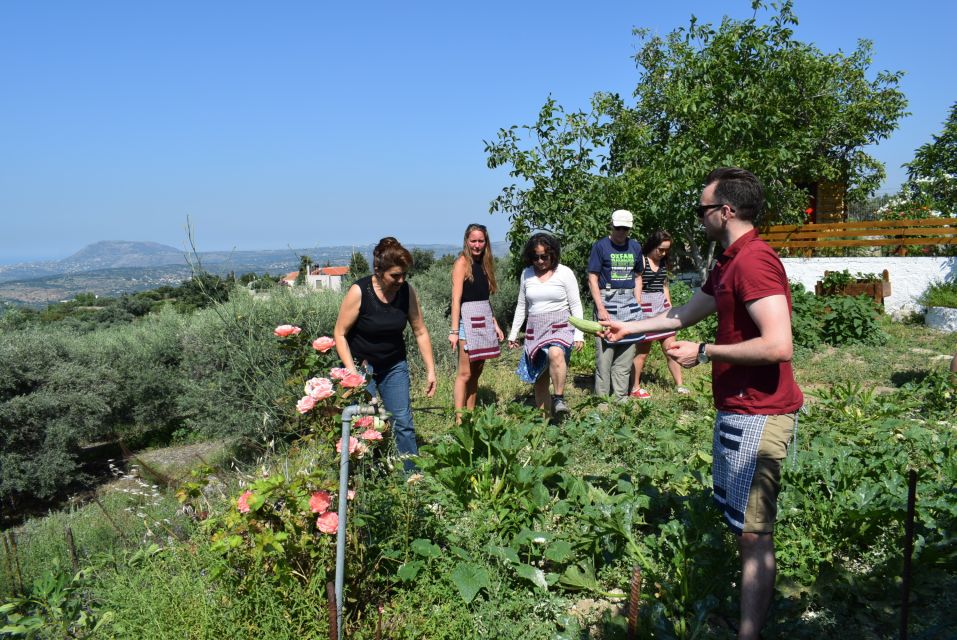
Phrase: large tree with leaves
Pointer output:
(933, 171)
(744, 93)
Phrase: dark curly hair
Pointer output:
(548, 242)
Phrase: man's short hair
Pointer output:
(739, 188)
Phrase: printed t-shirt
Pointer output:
(616, 265)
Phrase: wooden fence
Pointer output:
(900, 234)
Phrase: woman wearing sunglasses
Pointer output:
(547, 296)
(475, 331)
(655, 300)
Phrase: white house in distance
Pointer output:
(319, 278)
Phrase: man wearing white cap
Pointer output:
(614, 280)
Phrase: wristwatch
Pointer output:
(702, 355)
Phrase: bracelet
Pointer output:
(454, 333)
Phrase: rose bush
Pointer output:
(284, 519)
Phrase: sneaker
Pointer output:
(559, 408)
(640, 393)
(683, 390)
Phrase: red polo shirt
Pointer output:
(749, 270)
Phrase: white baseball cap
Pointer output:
(622, 218)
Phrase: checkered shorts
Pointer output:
(739, 440)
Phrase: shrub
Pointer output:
(940, 294)
(806, 324)
(48, 405)
(851, 321)
(233, 361)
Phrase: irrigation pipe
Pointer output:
(374, 408)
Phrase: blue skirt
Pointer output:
(530, 369)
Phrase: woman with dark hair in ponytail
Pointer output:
(370, 328)
(474, 328)
(655, 300)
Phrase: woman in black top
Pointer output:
(474, 328)
(370, 328)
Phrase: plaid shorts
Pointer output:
(746, 472)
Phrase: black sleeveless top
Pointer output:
(477, 289)
(377, 335)
(653, 281)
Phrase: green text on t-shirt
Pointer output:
(622, 266)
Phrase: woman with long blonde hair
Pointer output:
(475, 332)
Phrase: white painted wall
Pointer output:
(324, 281)
(909, 276)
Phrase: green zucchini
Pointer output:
(586, 326)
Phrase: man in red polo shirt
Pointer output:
(752, 380)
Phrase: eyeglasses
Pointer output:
(540, 257)
(703, 209)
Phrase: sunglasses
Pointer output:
(476, 225)
(541, 257)
(703, 209)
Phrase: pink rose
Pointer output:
(286, 330)
(364, 422)
(243, 503)
(305, 404)
(338, 373)
(323, 344)
(350, 494)
(319, 388)
(353, 380)
(353, 445)
(328, 522)
(371, 434)
(320, 502)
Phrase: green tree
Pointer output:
(422, 259)
(358, 266)
(744, 93)
(933, 171)
(304, 264)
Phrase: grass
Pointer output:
(172, 595)
(101, 528)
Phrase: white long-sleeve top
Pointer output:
(559, 292)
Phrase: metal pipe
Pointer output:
(908, 551)
(347, 415)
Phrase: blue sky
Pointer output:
(312, 123)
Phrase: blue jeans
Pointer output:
(392, 383)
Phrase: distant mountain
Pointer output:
(112, 268)
(117, 254)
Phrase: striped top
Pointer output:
(653, 281)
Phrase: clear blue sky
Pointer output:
(317, 123)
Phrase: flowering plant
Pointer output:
(284, 525)
(321, 395)
(284, 521)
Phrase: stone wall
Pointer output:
(909, 276)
